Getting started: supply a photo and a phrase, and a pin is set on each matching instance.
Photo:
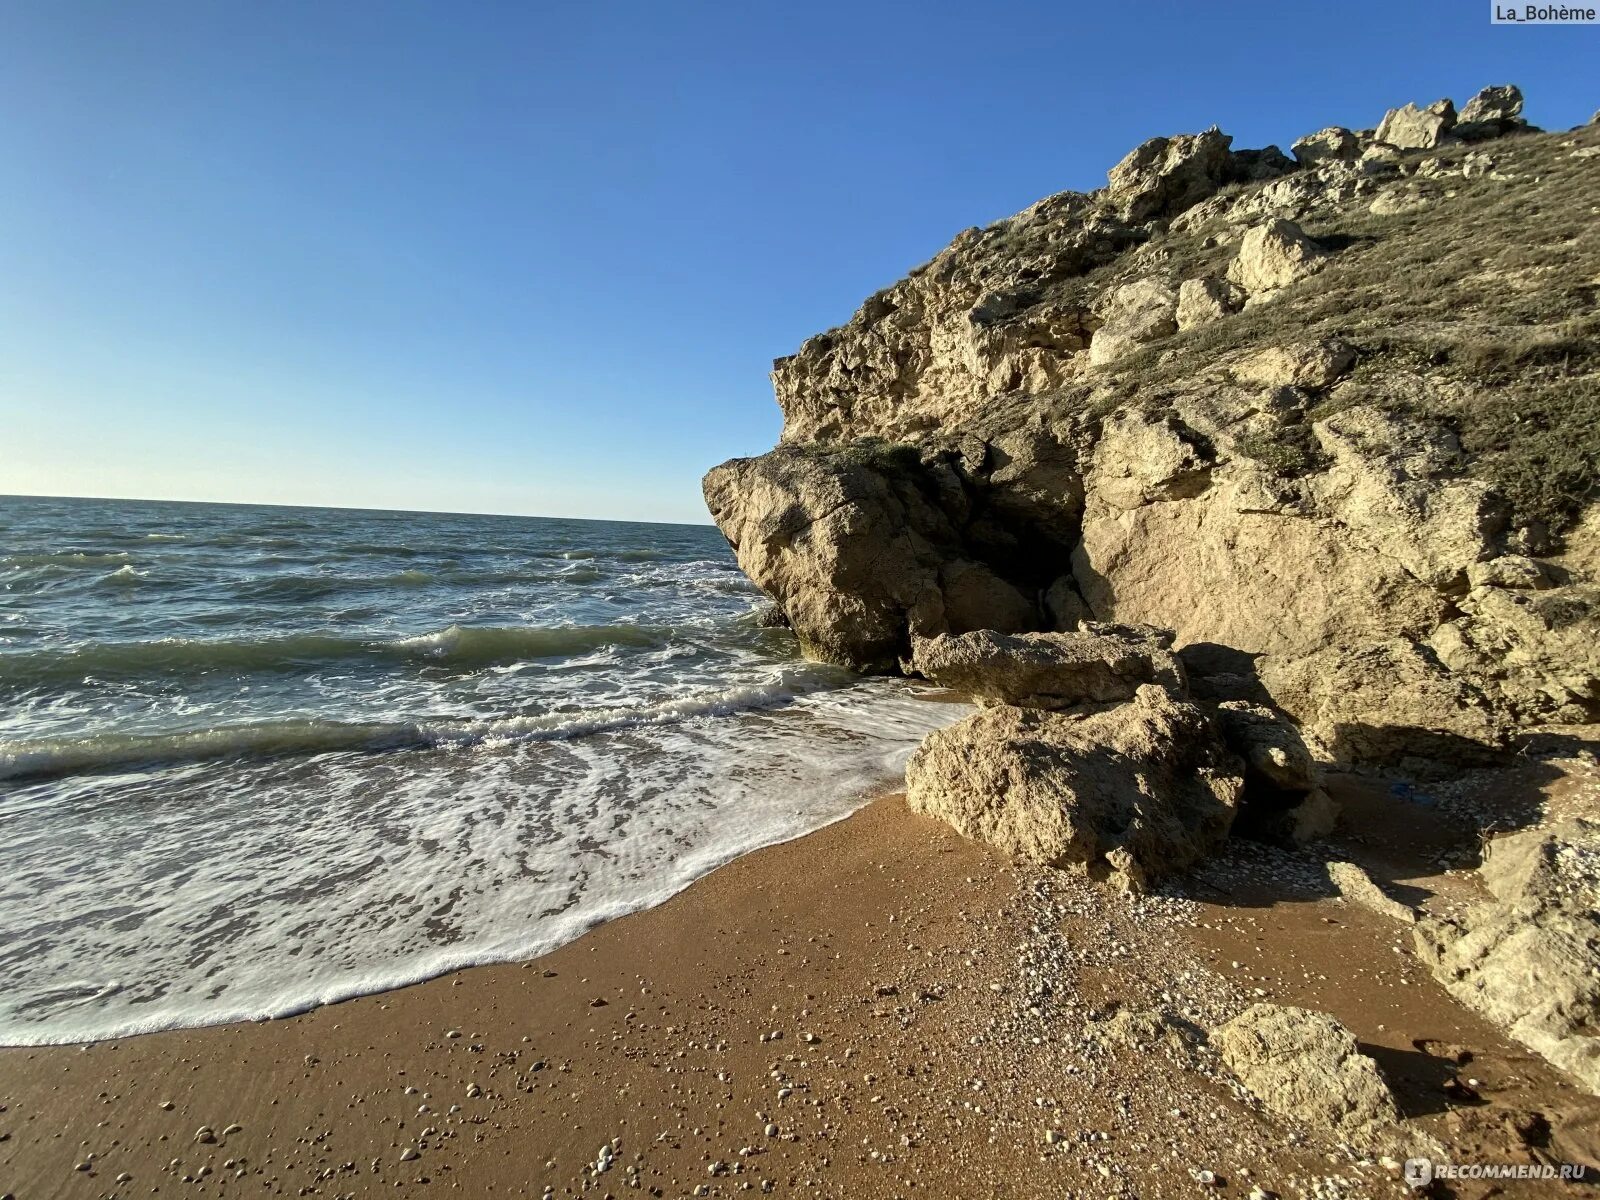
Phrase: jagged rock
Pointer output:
(1307, 1067)
(1310, 365)
(1509, 571)
(1357, 887)
(1150, 1031)
(1128, 794)
(1097, 665)
(1535, 653)
(1138, 312)
(1065, 606)
(859, 547)
(1140, 460)
(1527, 958)
(1272, 256)
(1334, 144)
(1413, 128)
(1201, 301)
(1501, 105)
(1283, 799)
(1394, 484)
(1382, 703)
(1412, 196)
(1165, 175)
(1270, 745)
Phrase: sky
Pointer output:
(537, 258)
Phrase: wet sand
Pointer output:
(879, 1009)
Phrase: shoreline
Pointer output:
(959, 1007)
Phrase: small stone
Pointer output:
(409, 1154)
(771, 1130)
(205, 1135)
(1054, 1136)
(165, 1106)
(452, 1033)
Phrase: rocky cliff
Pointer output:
(1331, 417)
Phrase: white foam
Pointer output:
(223, 892)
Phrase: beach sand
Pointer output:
(939, 1012)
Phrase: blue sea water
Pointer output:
(254, 759)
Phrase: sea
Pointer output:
(258, 759)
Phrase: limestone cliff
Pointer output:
(1332, 418)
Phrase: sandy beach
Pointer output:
(880, 1008)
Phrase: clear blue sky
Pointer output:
(538, 257)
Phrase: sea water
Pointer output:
(257, 759)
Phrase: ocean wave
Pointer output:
(53, 757)
(64, 558)
(457, 645)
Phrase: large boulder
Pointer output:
(1165, 175)
(1206, 299)
(1128, 794)
(1413, 128)
(1529, 957)
(1272, 256)
(1100, 664)
(1501, 103)
(1305, 1066)
(1333, 144)
(860, 547)
(1138, 312)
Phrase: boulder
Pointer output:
(1099, 664)
(1127, 794)
(1201, 301)
(1526, 958)
(1273, 255)
(1283, 798)
(860, 546)
(1413, 128)
(1165, 175)
(1310, 365)
(1306, 1067)
(1357, 887)
(1333, 144)
(1500, 105)
(1138, 312)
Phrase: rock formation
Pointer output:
(1332, 421)
(1527, 956)
(1230, 397)
(1305, 1066)
(1127, 794)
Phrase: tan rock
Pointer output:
(1526, 958)
(1305, 1066)
(1393, 485)
(1357, 887)
(1310, 365)
(1272, 256)
(1136, 313)
(1382, 703)
(1201, 301)
(1127, 794)
(860, 546)
(1165, 175)
(1413, 128)
(1261, 582)
(1334, 144)
(1498, 104)
(1097, 665)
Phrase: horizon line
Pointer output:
(423, 512)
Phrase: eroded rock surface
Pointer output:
(1529, 957)
(1099, 664)
(1129, 794)
(1307, 1067)
(1217, 397)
